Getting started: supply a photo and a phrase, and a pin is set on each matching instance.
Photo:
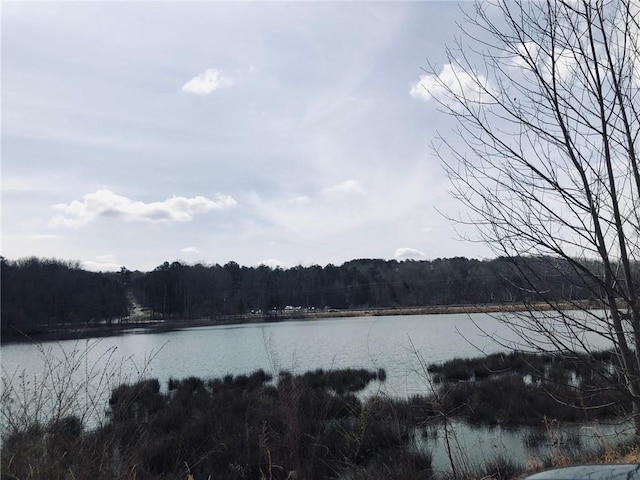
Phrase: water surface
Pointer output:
(402, 345)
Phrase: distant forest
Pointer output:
(40, 294)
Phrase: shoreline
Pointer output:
(157, 325)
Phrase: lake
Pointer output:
(402, 345)
(395, 343)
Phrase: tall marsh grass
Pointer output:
(82, 418)
(70, 382)
(246, 426)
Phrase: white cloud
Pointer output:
(526, 51)
(405, 253)
(105, 203)
(207, 82)
(565, 64)
(273, 263)
(103, 263)
(348, 187)
(451, 86)
(189, 250)
(530, 54)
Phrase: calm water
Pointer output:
(399, 344)
(402, 345)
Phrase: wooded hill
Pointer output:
(39, 294)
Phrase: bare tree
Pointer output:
(544, 156)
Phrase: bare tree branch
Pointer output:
(544, 157)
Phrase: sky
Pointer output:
(276, 133)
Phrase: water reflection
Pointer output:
(473, 445)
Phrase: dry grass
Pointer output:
(624, 455)
(612, 454)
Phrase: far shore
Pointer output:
(149, 324)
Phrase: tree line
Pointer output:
(185, 291)
(40, 294)
(45, 293)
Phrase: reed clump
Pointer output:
(522, 388)
(312, 425)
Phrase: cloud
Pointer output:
(563, 66)
(207, 82)
(273, 263)
(405, 253)
(348, 187)
(189, 250)
(105, 203)
(103, 263)
(527, 52)
(451, 86)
